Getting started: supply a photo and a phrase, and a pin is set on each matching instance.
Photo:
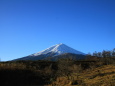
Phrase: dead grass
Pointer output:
(101, 76)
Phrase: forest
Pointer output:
(97, 69)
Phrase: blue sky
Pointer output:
(29, 26)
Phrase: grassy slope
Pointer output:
(44, 72)
(101, 76)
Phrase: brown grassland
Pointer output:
(93, 71)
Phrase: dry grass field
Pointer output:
(101, 76)
(66, 72)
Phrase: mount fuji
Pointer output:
(54, 52)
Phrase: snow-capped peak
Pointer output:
(58, 49)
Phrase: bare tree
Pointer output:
(113, 52)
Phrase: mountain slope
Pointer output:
(53, 51)
(58, 50)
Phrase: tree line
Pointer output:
(104, 53)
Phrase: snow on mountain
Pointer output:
(54, 52)
(58, 50)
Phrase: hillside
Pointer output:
(64, 72)
(101, 76)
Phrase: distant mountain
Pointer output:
(53, 53)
